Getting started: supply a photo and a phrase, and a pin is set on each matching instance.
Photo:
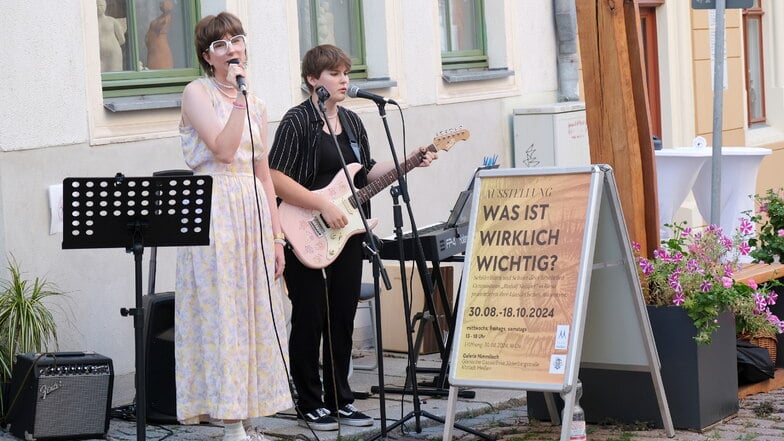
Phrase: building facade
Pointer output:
(67, 112)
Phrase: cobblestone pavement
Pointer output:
(501, 414)
(760, 418)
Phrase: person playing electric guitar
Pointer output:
(304, 158)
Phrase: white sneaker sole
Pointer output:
(356, 423)
(318, 426)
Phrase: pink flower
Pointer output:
(760, 302)
(746, 227)
(675, 283)
(752, 284)
(646, 266)
(726, 282)
(678, 299)
(780, 232)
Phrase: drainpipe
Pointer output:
(566, 36)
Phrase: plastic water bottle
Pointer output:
(577, 425)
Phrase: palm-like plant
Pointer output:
(26, 323)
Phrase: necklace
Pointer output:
(221, 86)
(332, 116)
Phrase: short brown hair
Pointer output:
(211, 28)
(321, 58)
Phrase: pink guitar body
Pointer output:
(315, 244)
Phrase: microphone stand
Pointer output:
(401, 190)
(371, 247)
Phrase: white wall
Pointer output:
(53, 126)
(43, 98)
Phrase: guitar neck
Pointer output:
(365, 193)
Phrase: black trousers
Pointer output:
(319, 307)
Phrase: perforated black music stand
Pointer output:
(132, 213)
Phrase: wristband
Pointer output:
(279, 236)
(280, 242)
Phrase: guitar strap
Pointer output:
(351, 138)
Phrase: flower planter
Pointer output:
(778, 309)
(700, 381)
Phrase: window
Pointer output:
(336, 22)
(146, 46)
(755, 78)
(462, 34)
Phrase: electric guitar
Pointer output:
(313, 242)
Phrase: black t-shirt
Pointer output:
(329, 161)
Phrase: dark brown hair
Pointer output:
(321, 58)
(211, 28)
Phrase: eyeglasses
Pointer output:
(220, 47)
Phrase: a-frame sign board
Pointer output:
(549, 284)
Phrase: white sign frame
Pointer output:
(608, 271)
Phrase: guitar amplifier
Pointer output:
(60, 395)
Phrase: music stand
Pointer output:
(132, 213)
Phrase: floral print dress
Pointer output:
(229, 351)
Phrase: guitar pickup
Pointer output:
(318, 225)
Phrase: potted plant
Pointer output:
(26, 323)
(691, 295)
(754, 320)
(768, 245)
(769, 217)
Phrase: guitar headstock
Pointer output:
(447, 138)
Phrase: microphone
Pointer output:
(322, 93)
(356, 92)
(240, 78)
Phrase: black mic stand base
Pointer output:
(423, 413)
(436, 392)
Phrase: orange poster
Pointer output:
(523, 266)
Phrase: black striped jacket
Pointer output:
(295, 150)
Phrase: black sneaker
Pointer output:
(351, 416)
(318, 419)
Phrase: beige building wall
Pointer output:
(733, 116)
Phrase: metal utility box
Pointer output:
(551, 135)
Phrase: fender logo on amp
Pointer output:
(47, 389)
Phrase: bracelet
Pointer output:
(280, 241)
(239, 106)
(280, 236)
